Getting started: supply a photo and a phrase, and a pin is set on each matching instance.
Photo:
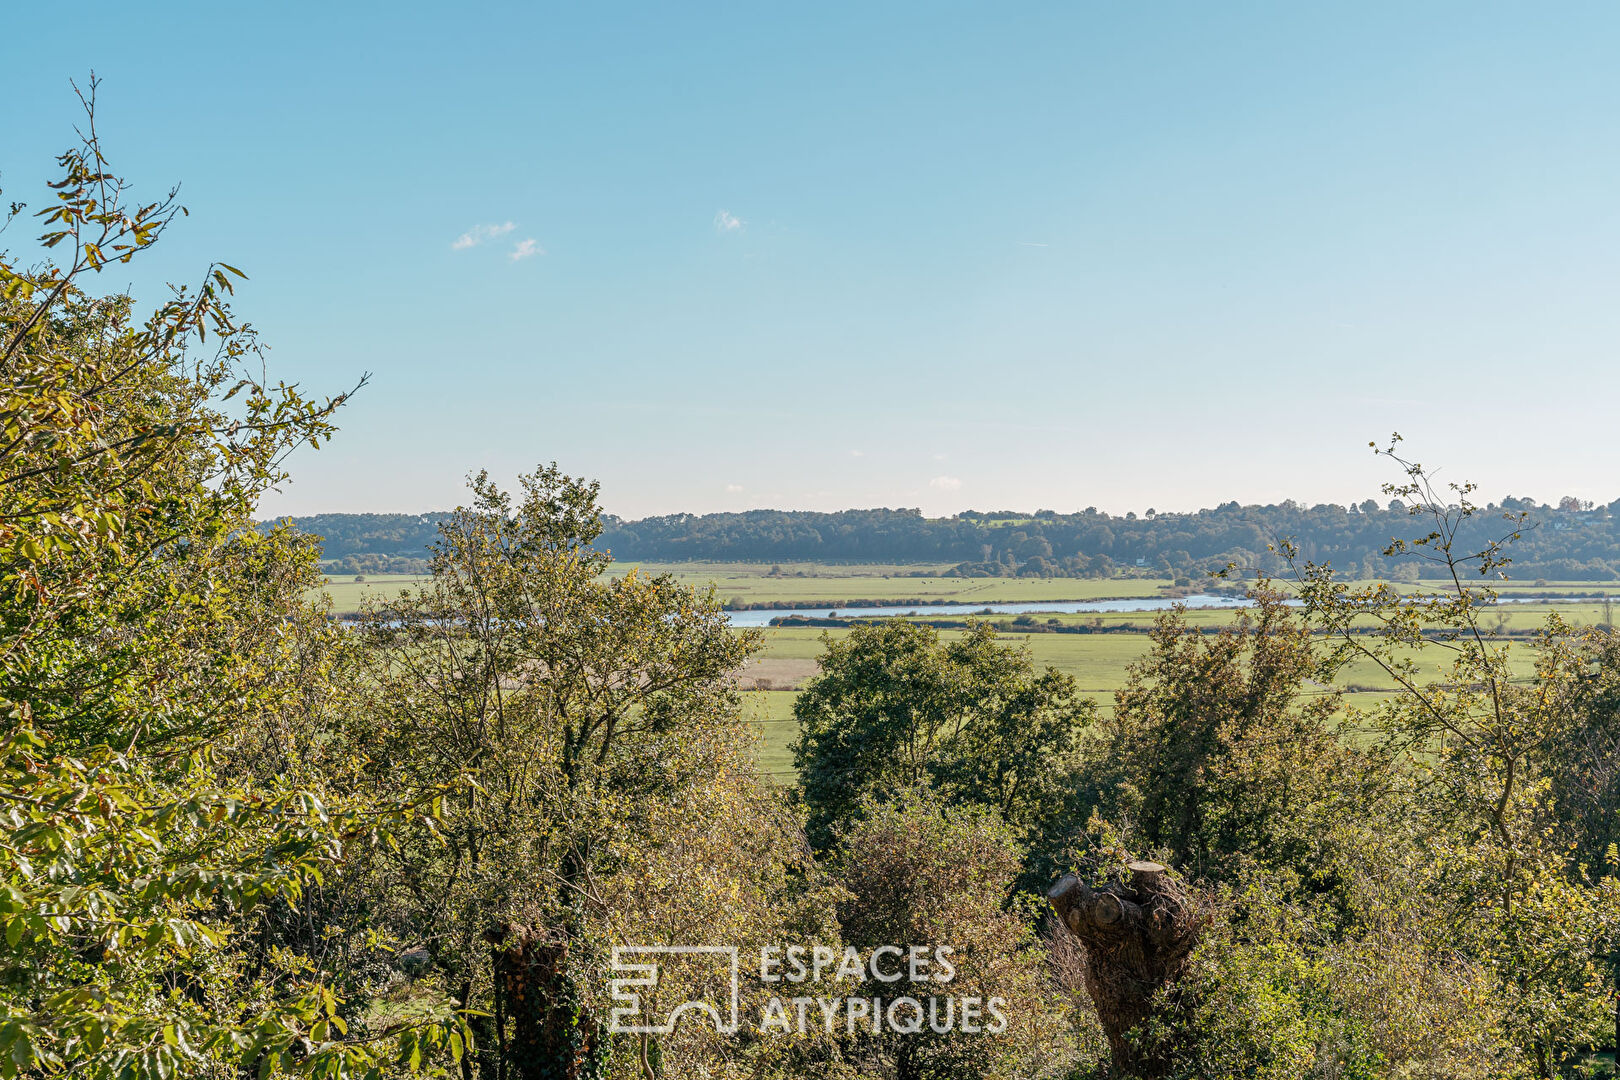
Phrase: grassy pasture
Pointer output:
(347, 594)
(1515, 586)
(770, 712)
(751, 583)
(1098, 662)
(814, 583)
(1515, 617)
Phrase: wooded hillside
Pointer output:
(1570, 541)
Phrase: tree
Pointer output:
(611, 795)
(895, 707)
(148, 638)
(1218, 754)
(1138, 937)
(1583, 754)
(920, 874)
(1583, 546)
(1478, 743)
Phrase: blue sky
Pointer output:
(936, 255)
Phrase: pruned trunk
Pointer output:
(548, 1035)
(1137, 939)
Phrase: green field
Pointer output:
(347, 594)
(807, 583)
(1502, 618)
(771, 713)
(1098, 662)
(841, 584)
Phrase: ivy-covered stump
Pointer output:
(1137, 938)
(552, 1035)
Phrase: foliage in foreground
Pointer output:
(145, 631)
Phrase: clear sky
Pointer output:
(938, 255)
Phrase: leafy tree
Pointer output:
(1479, 745)
(610, 798)
(1402, 894)
(920, 874)
(894, 707)
(1583, 754)
(1221, 750)
(147, 637)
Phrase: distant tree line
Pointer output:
(1570, 541)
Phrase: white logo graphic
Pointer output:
(627, 1001)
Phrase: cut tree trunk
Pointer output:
(551, 1037)
(1137, 939)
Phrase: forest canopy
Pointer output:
(1570, 541)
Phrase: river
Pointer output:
(763, 616)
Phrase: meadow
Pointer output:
(1099, 664)
(812, 584)
(1097, 661)
(348, 594)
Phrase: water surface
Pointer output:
(763, 616)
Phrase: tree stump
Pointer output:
(1137, 939)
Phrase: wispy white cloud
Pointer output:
(1032, 243)
(480, 233)
(733, 489)
(945, 483)
(524, 248)
(725, 221)
(857, 453)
